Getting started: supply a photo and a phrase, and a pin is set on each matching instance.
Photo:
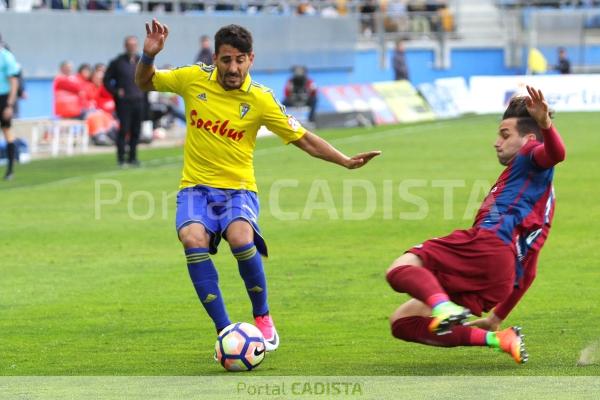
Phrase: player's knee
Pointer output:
(239, 235)
(240, 240)
(192, 238)
(192, 242)
(403, 260)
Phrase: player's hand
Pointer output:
(156, 35)
(361, 159)
(538, 107)
(489, 323)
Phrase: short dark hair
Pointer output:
(235, 36)
(517, 108)
(84, 66)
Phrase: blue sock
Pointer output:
(206, 282)
(253, 274)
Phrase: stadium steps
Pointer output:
(478, 21)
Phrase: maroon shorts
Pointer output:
(474, 266)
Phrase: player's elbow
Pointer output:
(561, 154)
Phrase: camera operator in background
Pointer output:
(301, 91)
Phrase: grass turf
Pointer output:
(89, 290)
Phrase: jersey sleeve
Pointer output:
(12, 67)
(552, 151)
(173, 80)
(277, 121)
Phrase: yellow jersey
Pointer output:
(222, 125)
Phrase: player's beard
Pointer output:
(226, 79)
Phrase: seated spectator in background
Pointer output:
(102, 125)
(103, 5)
(160, 6)
(84, 74)
(399, 62)
(100, 96)
(69, 94)
(224, 6)
(329, 11)
(564, 65)
(367, 17)
(205, 54)
(396, 17)
(64, 4)
(301, 91)
(341, 7)
(305, 8)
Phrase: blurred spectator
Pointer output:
(129, 99)
(64, 4)
(102, 126)
(224, 6)
(399, 62)
(160, 6)
(446, 18)
(84, 73)
(69, 93)
(102, 99)
(564, 65)
(341, 7)
(205, 55)
(103, 5)
(301, 91)
(305, 8)
(329, 11)
(396, 16)
(367, 17)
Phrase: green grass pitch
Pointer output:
(105, 291)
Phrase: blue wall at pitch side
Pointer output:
(464, 62)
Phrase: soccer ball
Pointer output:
(240, 347)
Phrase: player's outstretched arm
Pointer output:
(156, 35)
(490, 323)
(553, 150)
(500, 313)
(320, 148)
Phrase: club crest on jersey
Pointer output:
(293, 123)
(244, 108)
(202, 96)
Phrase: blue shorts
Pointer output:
(216, 209)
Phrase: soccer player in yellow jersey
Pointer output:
(217, 198)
